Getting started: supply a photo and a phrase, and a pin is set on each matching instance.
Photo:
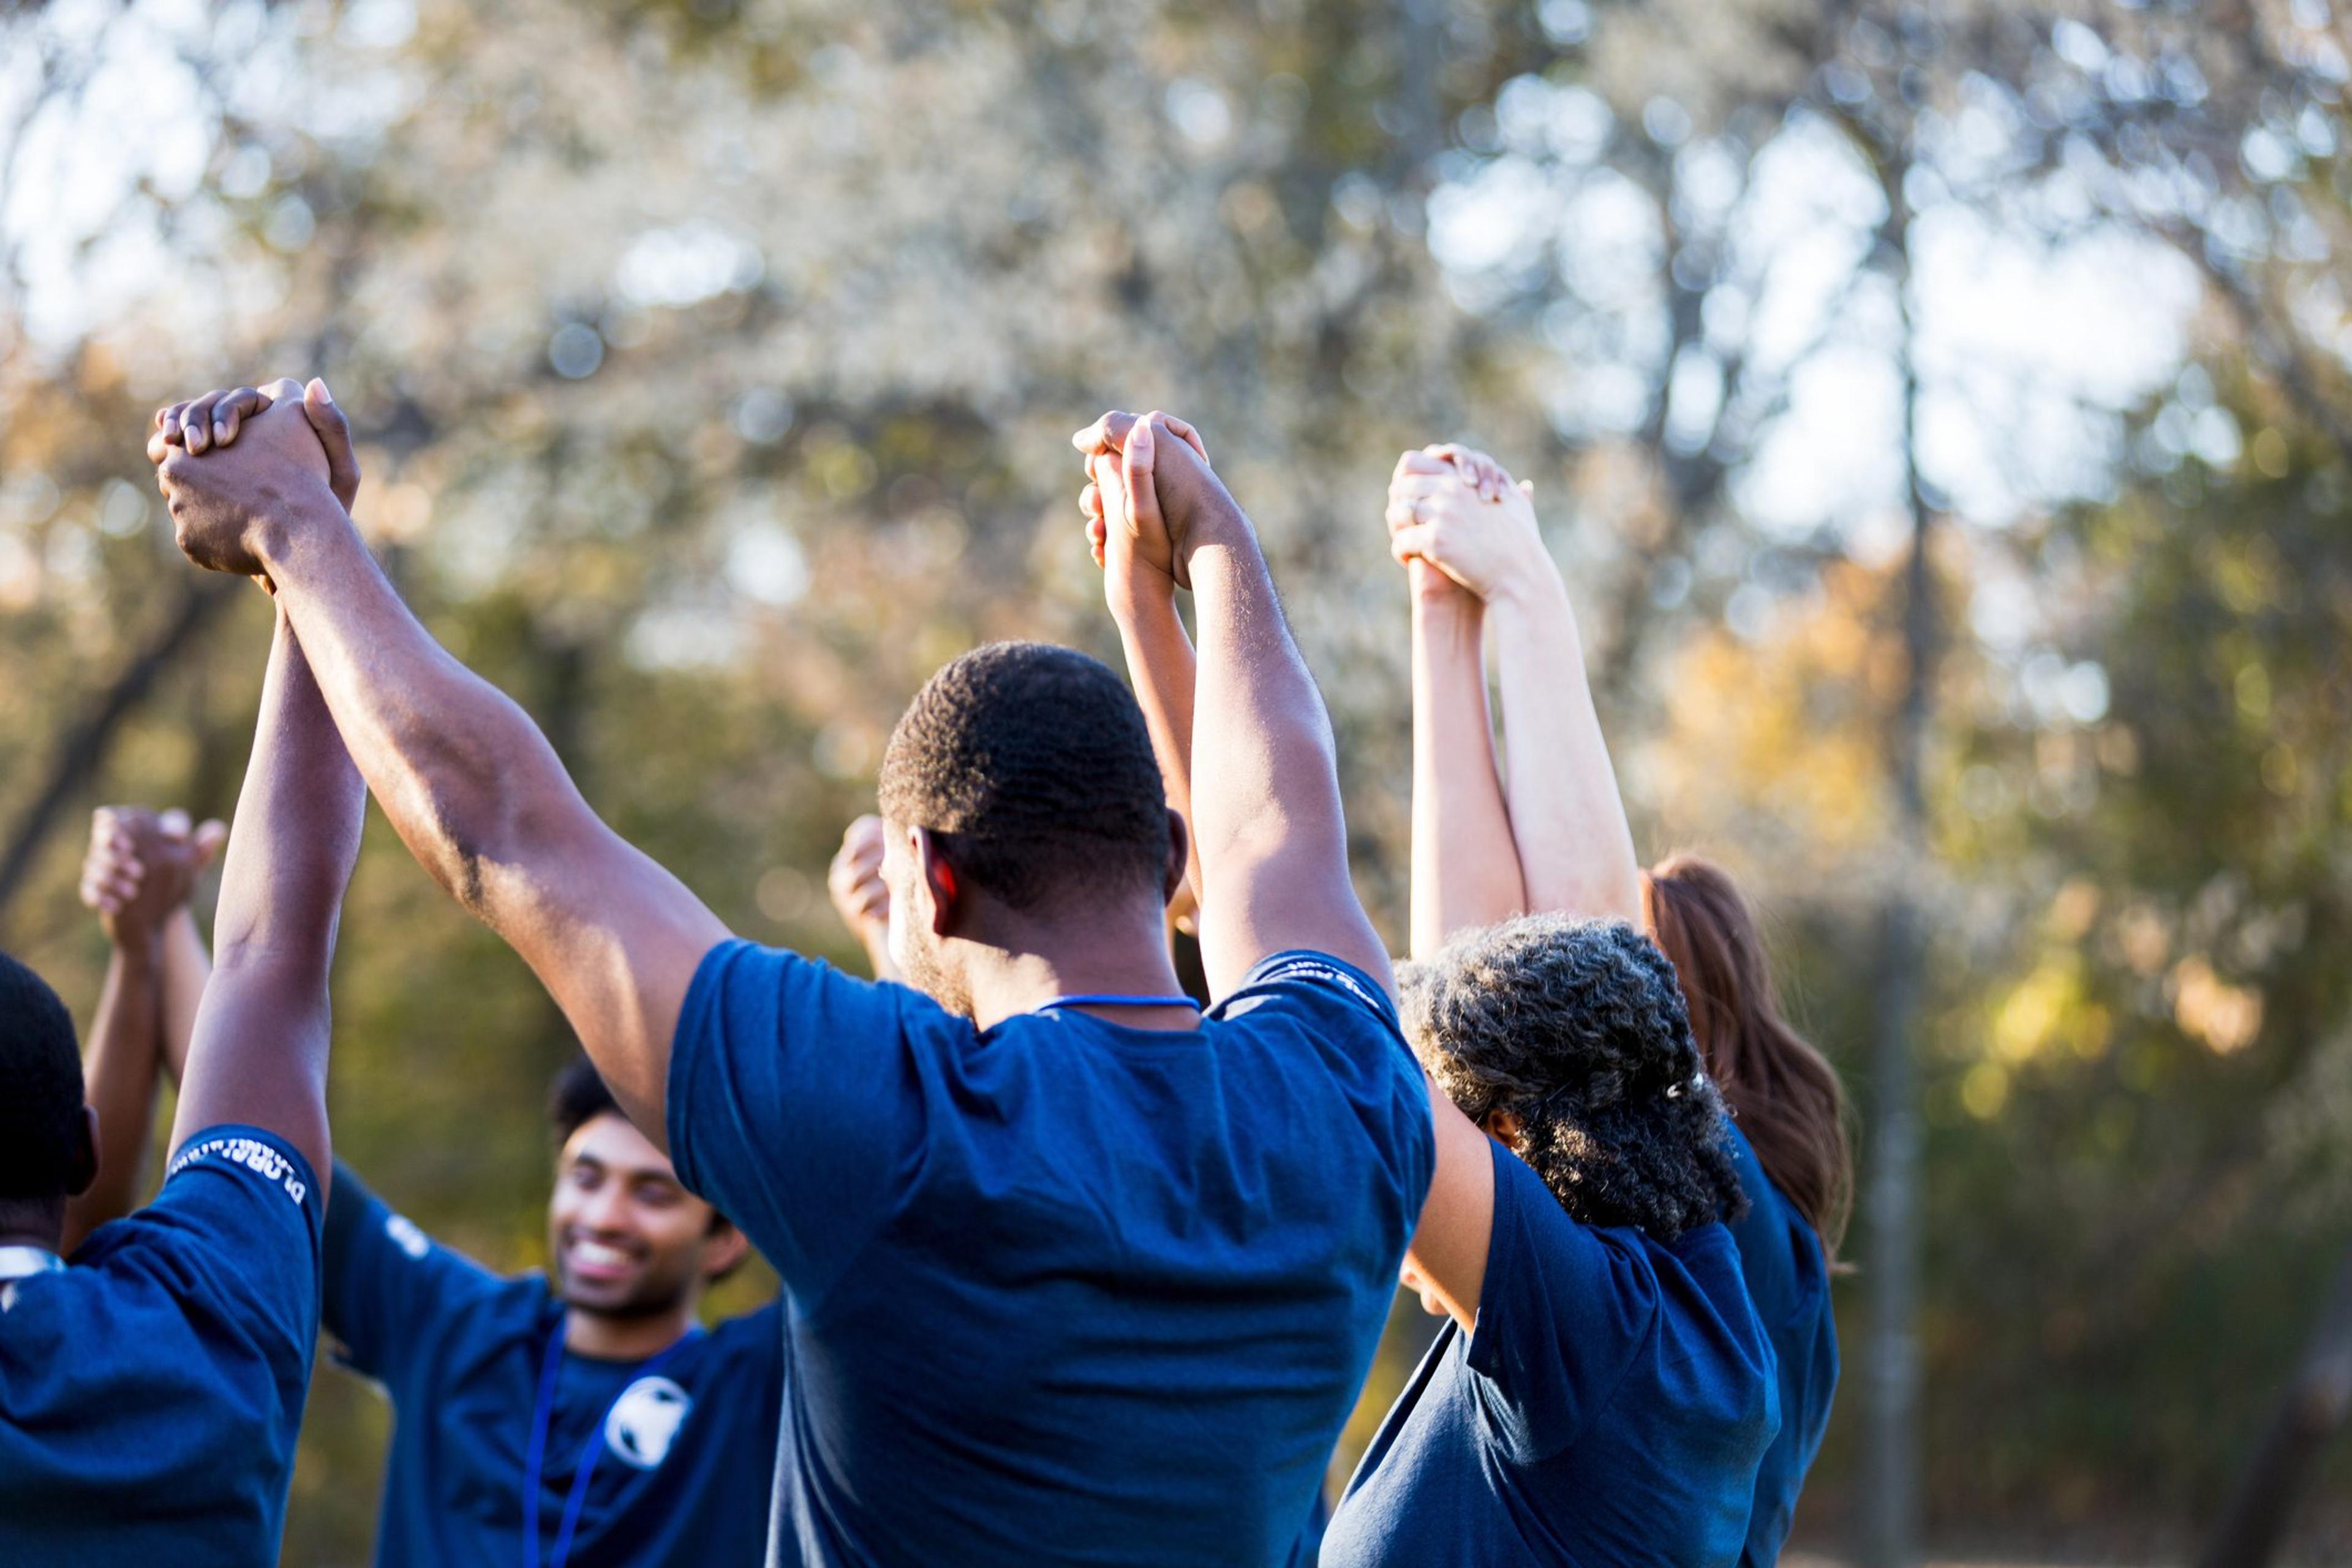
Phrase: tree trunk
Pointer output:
(85, 744)
(2310, 1414)
(1890, 1506)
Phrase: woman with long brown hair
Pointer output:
(1554, 838)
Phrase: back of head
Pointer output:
(41, 1142)
(1031, 766)
(1783, 1091)
(1576, 1029)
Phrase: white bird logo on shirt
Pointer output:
(645, 1420)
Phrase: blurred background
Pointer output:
(1942, 412)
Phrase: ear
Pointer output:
(1180, 849)
(1504, 1127)
(725, 1254)
(83, 1169)
(940, 877)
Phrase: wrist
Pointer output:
(1144, 596)
(296, 520)
(138, 951)
(1532, 584)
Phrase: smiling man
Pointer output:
(583, 1413)
(579, 1417)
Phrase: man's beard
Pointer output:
(650, 1299)
(927, 974)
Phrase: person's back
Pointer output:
(1609, 1393)
(1612, 1405)
(1109, 1284)
(151, 1389)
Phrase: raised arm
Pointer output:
(259, 1053)
(1265, 811)
(1575, 849)
(1160, 661)
(469, 782)
(1466, 865)
(136, 876)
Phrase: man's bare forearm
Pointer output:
(1265, 796)
(1465, 867)
(458, 767)
(259, 1051)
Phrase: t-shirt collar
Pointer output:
(22, 1262)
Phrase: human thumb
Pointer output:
(208, 839)
(334, 433)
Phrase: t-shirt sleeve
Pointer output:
(1561, 1316)
(1302, 971)
(174, 1357)
(386, 1281)
(796, 1103)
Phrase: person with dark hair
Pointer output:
(1467, 535)
(1603, 1391)
(588, 1402)
(152, 1386)
(1073, 1272)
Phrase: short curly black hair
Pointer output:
(41, 1089)
(1577, 1028)
(1031, 766)
(577, 1096)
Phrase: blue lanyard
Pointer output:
(534, 1465)
(1113, 999)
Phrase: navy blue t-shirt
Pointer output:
(1789, 1280)
(1059, 1290)
(1610, 1408)
(150, 1394)
(685, 1450)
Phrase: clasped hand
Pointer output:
(1147, 478)
(1458, 515)
(229, 462)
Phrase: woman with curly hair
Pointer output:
(1554, 837)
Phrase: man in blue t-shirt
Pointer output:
(1071, 1274)
(666, 1434)
(591, 1404)
(152, 1386)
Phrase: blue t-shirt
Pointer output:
(687, 1449)
(1610, 1408)
(150, 1394)
(1789, 1280)
(1059, 1290)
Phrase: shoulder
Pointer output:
(1317, 981)
(240, 1217)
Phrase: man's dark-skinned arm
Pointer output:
(467, 779)
(259, 1052)
(1271, 834)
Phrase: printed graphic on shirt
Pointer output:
(407, 1237)
(251, 1153)
(645, 1420)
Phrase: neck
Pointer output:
(1020, 971)
(608, 1337)
(33, 1223)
